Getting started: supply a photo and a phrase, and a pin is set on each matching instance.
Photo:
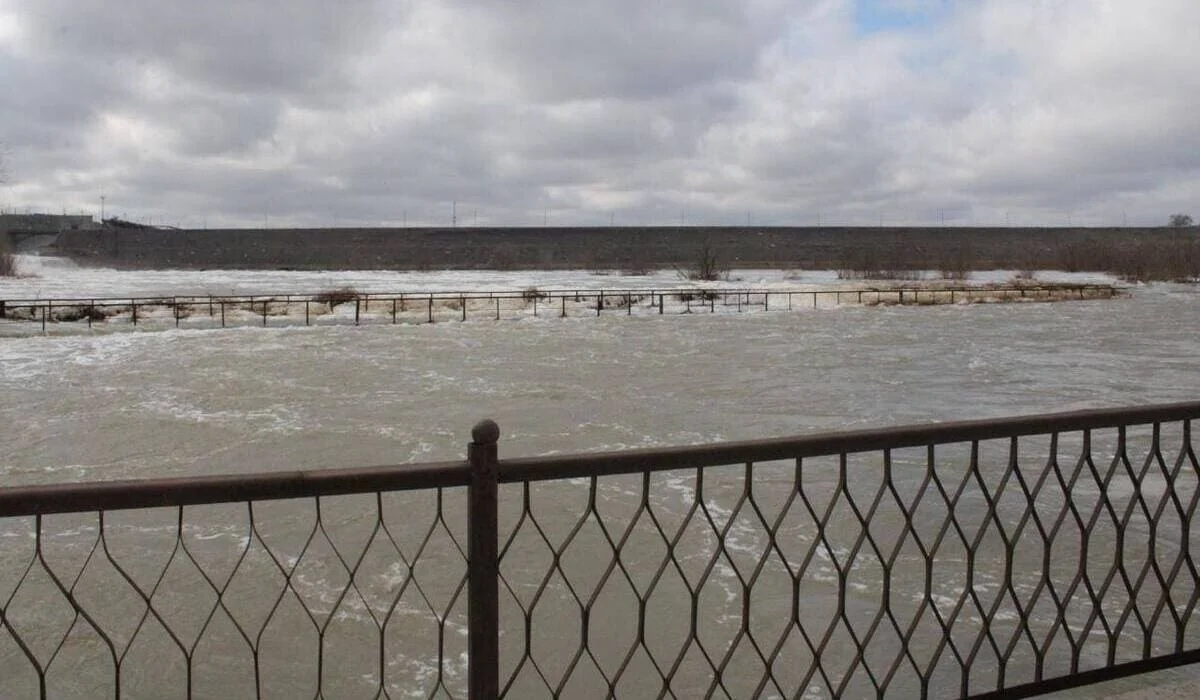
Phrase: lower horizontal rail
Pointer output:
(1093, 676)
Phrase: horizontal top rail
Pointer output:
(226, 488)
(230, 488)
(299, 297)
(832, 443)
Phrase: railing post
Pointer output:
(483, 589)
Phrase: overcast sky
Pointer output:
(380, 112)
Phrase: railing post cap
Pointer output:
(485, 432)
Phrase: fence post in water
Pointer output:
(660, 304)
(43, 319)
(430, 312)
(483, 590)
(564, 306)
(356, 309)
(133, 307)
(265, 313)
(497, 308)
(599, 302)
(306, 312)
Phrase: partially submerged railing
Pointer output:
(429, 307)
(1004, 557)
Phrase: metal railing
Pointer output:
(997, 558)
(430, 307)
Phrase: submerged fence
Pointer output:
(343, 307)
(998, 558)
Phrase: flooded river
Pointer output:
(98, 406)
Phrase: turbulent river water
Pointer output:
(85, 406)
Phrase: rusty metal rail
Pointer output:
(996, 558)
(429, 307)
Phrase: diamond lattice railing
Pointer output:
(342, 596)
(933, 561)
(943, 571)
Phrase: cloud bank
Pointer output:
(376, 112)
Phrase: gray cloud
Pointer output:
(376, 112)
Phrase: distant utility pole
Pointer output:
(102, 198)
(454, 214)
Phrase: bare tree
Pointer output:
(1181, 221)
(8, 262)
(707, 265)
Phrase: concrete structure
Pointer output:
(35, 232)
(47, 223)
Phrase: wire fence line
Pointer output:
(340, 307)
(1000, 558)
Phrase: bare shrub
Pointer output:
(706, 266)
(20, 313)
(867, 263)
(1175, 261)
(955, 263)
(529, 294)
(8, 261)
(333, 297)
(70, 314)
